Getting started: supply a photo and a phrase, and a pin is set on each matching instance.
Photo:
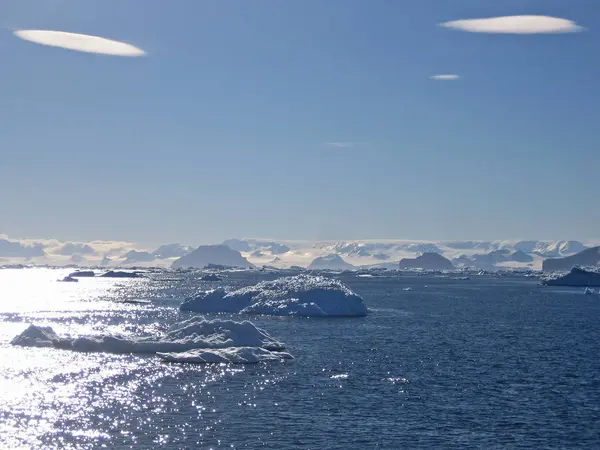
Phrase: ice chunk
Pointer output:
(301, 295)
(120, 274)
(35, 336)
(237, 355)
(68, 279)
(195, 333)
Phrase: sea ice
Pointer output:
(301, 295)
(196, 335)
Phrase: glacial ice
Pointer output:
(301, 295)
(193, 338)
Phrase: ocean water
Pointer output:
(490, 362)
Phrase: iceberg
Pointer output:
(193, 340)
(330, 262)
(236, 355)
(82, 273)
(212, 254)
(576, 277)
(68, 279)
(301, 295)
(589, 257)
(427, 261)
(120, 274)
(35, 336)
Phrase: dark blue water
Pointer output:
(480, 363)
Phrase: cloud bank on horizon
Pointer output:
(515, 25)
(41, 248)
(80, 42)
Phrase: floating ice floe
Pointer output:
(302, 295)
(196, 338)
(239, 355)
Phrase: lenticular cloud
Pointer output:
(445, 77)
(515, 25)
(80, 42)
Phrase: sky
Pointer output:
(339, 119)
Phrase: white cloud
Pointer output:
(515, 25)
(445, 77)
(79, 42)
(339, 144)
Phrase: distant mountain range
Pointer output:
(335, 255)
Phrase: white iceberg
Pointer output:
(237, 355)
(301, 295)
(195, 335)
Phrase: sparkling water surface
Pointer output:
(489, 362)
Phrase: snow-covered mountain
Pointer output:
(287, 253)
(363, 253)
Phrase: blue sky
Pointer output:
(222, 129)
